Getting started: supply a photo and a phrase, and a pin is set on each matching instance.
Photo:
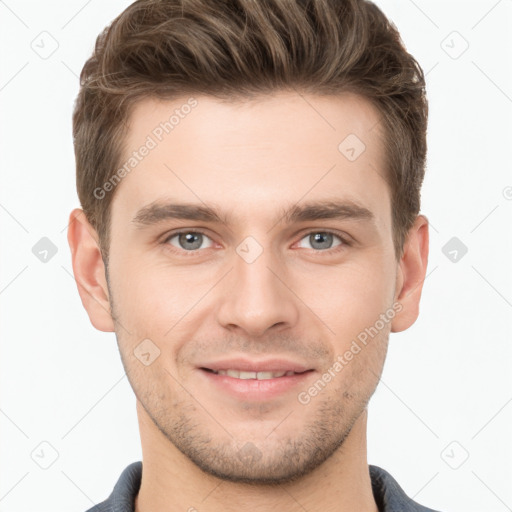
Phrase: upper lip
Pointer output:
(251, 365)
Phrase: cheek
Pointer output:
(150, 299)
(350, 297)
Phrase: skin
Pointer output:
(301, 300)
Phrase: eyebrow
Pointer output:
(158, 211)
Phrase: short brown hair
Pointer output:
(240, 49)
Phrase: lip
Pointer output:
(253, 389)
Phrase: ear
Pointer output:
(89, 271)
(411, 274)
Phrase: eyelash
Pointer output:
(344, 241)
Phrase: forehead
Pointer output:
(251, 156)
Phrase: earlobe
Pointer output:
(411, 275)
(89, 270)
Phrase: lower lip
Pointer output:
(254, 389)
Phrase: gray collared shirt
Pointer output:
(388, 495)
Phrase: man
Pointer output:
(250, 177)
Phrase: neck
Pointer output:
(170, 481)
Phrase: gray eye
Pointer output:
(189, 240)
(321, 240)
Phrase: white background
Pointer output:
(447, 379)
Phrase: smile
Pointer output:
(240, 374)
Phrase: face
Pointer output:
(251, 240)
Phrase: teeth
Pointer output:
(236, 374)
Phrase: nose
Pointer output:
(256, 296)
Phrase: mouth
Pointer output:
(246, 380)
(245, 375)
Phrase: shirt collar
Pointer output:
(389, 496)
